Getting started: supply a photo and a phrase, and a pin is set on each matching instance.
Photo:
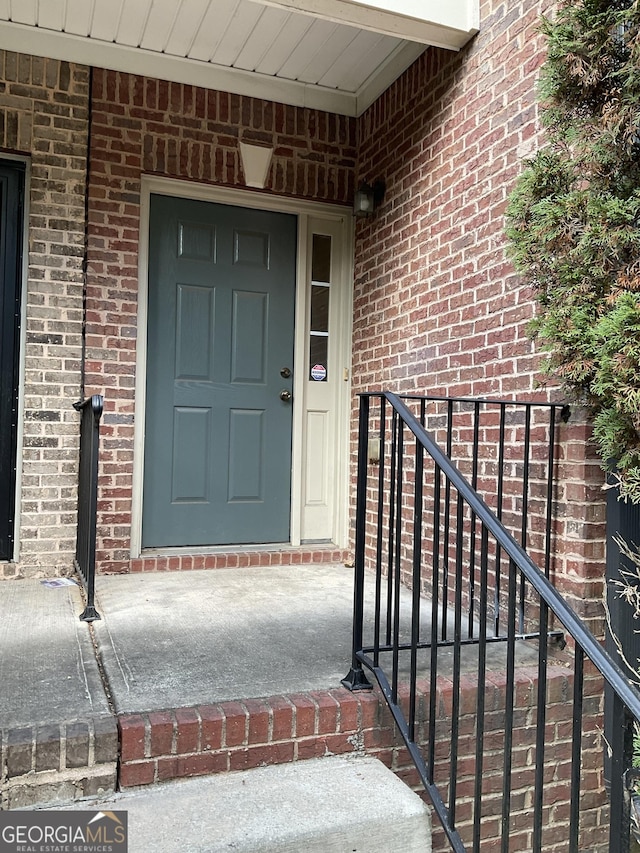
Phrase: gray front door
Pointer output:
(217, 464)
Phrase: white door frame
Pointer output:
(305, 211)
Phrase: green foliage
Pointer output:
(573, 220)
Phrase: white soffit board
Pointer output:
(331, 55)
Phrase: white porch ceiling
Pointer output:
(335, 55)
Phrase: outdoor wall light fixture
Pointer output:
(367, 198)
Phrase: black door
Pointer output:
(11, 223)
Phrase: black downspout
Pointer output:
(85, 256)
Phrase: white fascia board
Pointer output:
(443, 23)
(85, 51)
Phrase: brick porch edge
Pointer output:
(239, 735)
(58, 762)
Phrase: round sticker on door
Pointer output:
(318, 372)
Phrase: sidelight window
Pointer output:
(320, 294)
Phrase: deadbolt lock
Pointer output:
(285, 372)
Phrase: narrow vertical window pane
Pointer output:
(319, 314)
(321, 258)
(318, 351)
(319, 308)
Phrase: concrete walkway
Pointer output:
(165, 641)
(176, 639)
(58, 735)
(48, 668)
(171, 639)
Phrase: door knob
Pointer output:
(285, 395)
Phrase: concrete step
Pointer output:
(326, 805)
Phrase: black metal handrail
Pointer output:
(85, 561)
(414, 517)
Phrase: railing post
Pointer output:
(356, 679)
(621, 760)
(85, 562)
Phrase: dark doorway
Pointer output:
(12, 177)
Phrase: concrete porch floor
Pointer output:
(141, 695)
(172, 639)
(71, 691)
(175, 639)
(165, 640)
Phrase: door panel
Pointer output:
(246, 455)
(191, 452)
(194, 332)
(220, 329)
(11, 222)
(249, 337)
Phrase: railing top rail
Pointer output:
(471, 400)
(571, 621)
(96, 401)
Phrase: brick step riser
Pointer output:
(238, 559)
(229, 736)
(57, 763)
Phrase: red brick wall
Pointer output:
(142, 125)
(447, 137)
(438, 306)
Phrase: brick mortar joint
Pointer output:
(174, 734)
(65, 774)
